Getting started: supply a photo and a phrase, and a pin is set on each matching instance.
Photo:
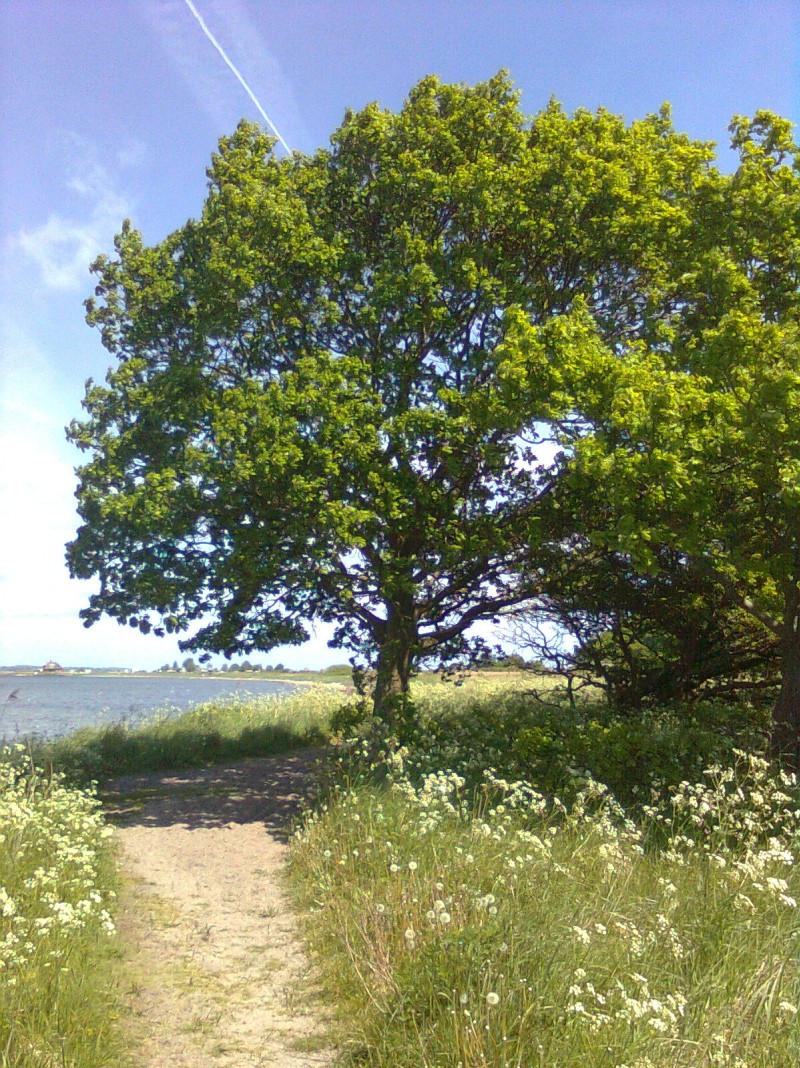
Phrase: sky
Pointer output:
(112, 108)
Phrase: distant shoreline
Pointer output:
(262, 676)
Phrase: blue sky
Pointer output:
(112, 109)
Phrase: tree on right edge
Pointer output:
(695, 435)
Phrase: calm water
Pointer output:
(56, 704)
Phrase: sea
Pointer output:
(47, 706)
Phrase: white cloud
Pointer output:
(39, 603)
(64, 246)
(36, 489)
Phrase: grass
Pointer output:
(59, 963)
(213, 733)
(227, 729)
(461, 916)
(492, 720)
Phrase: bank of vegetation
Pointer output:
(59, 963)
(215, 732)
(501, 874)
(505, 882)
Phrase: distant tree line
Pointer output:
(190, 665)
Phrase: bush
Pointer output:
(547, 742)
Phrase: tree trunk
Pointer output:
(785, 735)
(395, 658)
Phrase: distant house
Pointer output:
(52, 668)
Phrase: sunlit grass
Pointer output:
(58, 956)
(216, 732)
(459, 916)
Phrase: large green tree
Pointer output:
(694, 434)
(306, 418)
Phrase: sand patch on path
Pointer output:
(222, 979)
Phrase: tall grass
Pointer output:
(57, 950)
(461, 917)
(213, 733)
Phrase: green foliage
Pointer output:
(630, 753)
(332, 390)
(543, 740)
(694, 435)
(317, 409)
(58, 999)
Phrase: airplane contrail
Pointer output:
(241, 80)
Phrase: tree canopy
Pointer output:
(695, 439)
(307, 416)
(338, 392)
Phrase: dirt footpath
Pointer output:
(221, 979)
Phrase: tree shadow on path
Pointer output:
(272, 791)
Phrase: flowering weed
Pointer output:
(56, 925)
(464, 915)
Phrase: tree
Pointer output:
(189, 665)
(307, 417)
(662, 634)
(696, 438)
(659, 637)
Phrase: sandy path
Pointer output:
(222, 981)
